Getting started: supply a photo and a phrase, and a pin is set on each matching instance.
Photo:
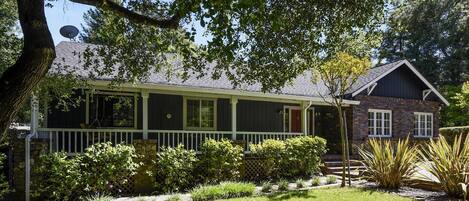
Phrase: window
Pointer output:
(200, 113)
(423, 124)
(112, 110)
(379, 123)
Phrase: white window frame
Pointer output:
(375, 111)
(420, 135)
(184, 118)
(111, 93)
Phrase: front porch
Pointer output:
(181, 117)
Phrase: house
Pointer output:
(390, 101)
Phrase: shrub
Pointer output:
(447, 162)
(174, 198)
(223, 191)
(316, 181)
(98, 197)
(300, 183)
(175, 169)
(266, 187)
(451, 132)
(219, 161)
(389, 166)
(303, 155)
(4, 187)
(331, 179)
(58, 177)
(273, 152)
(282, 185)
(106, 167)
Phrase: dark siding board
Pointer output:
(223, 115)
(259, 116)
(401, 83)
(57, 118)
(159, 105)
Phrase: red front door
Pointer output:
(295, 121)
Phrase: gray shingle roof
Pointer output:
(68, 54)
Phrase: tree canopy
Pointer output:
(267, 42)
(433, 35)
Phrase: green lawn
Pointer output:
(326, 194)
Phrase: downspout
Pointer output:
(33, 131)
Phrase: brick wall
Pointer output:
(402, 115)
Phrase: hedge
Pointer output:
(450, 132)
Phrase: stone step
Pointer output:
(339, 163)
(351, 168)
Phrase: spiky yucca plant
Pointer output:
(387, 164)
(447, 162)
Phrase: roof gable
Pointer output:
(375, 75)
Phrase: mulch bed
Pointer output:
(415, 193)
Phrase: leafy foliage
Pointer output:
(451, 132)
(175, 169)
(295, 157)
(303, 154)
(282, 185)
(223, 191)
(58, 177)
(266, 187)
(330, 180)
(447, 162)
(433, 36)
(315, 181)
(388, 165)
(300, 183)
(219, 161)
(105, 166)
(273, 152)
(95, 172)
(4, 186)
(244, 38)
(457, 113)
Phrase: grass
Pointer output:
(326, 194)
(223, 190)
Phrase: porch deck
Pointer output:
(73, 141)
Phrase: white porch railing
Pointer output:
(75, 141)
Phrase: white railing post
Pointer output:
(145, 114)
(234, 102)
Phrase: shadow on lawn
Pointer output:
(290, 194)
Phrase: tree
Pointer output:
(338, 73)
(457, 113)
(251, 41)
(432, 34)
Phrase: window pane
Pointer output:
(111, 111)
(379, 126)
(193, 107)
(371, 123)
(387, 124)
(422, 125)
(123, 111)
(207, 112)
(429, 125)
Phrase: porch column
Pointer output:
(304, 116)
(234, 102)
(145, 114)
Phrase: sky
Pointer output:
(65, 12)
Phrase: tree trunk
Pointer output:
(344, 146)
(38, 52)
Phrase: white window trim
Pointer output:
(382, 123)
(420, 135)
(184, 113)
(87, 107)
